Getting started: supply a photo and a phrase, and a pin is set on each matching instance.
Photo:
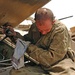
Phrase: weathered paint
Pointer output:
(15, 11)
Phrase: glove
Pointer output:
(27, 43)
(71, 54)
(20, 49)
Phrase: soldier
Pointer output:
(50, 41)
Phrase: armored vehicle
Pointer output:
(14, 12)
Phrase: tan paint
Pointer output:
(15, 11)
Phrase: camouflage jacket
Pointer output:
(50, 48)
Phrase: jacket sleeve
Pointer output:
(33, 34)
(56, 51)
(28, 37)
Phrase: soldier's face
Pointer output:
(44, 26)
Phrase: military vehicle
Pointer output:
(14, 12)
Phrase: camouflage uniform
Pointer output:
(50, 48)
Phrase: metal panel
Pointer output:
(15, 11)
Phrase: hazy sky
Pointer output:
(63, 8)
